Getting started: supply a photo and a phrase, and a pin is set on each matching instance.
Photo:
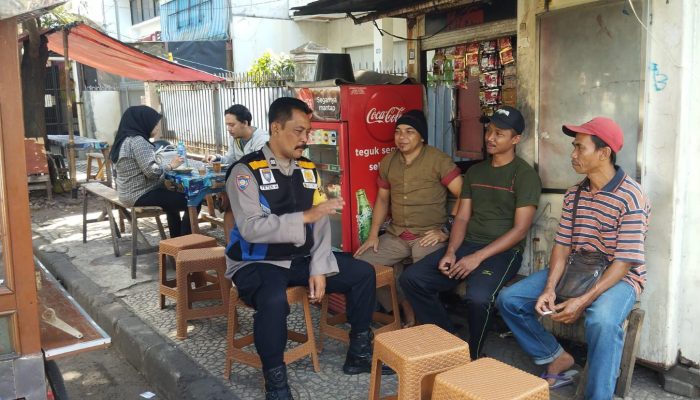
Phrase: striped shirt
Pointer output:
(613, 221)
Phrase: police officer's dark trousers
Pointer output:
(263, 286)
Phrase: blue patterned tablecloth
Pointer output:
(196, 187)
(80, 142)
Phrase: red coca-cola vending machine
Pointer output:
(353, 129)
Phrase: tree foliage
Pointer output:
(35, 54)
(273, 66)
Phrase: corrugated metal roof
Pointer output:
(352, 6)
(98, 50)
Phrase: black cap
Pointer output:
(506, 117)
(416, 119)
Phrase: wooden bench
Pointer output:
(576, 333)
(111, 201)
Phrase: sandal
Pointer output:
(560, 380)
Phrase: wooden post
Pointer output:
(69, 117)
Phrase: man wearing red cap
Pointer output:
(606, 213)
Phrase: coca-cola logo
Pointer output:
(382, 110)
(389, 116)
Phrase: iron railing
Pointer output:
(194, 112)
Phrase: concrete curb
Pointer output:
(175, 375)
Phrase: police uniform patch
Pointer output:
(308, 175)
(269, 187)
(267, 177)
(242, 181)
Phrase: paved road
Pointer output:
(102, 374)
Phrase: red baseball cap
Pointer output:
(604, 128)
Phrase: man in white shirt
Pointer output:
(243, 139)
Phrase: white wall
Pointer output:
(671, 163)
(102, 114)
(105, 14)
(260, 9)
(689, 161)
(251, 37)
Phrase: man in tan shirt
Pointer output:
(413, 183)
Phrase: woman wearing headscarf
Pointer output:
(139, 175)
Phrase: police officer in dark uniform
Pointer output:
(282, 237)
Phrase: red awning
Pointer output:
(98, 50)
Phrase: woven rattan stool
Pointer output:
(415, 354)
(489, 379)
(170, 248)
(327, 325)
(234, 346)
(191, 261)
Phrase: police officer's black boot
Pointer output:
(276, 387)
(359, 357)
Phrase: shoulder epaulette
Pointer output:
(306, 164)
(257, 164)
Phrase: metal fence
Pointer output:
(194, 113)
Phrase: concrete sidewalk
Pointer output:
(193, 368)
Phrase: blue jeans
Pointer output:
(603, 324)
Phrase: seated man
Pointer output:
(499, 199)
(611, 217)
(413, 182)
(281, 239)
(243, 139)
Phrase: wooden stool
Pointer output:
(199, 260)
(234, 347)
(100, 174)
(391, 322)
(170, 247)
(576, 333)
(415, 354)
(487, 378)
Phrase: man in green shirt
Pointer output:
(498, 202)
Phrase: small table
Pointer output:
(83, 143)
(196, 188)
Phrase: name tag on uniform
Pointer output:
(308, 175)
(310, 185)
(269, 187)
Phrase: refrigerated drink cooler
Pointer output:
(352, 130)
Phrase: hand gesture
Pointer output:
(210, 158)
(176, 162)
(569, 311)
(321, 210)
(433, 237)
(464, 266)
(546, 301)
(371, 242)
(317, 288)
(446, 262)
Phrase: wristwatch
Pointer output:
(447, 226)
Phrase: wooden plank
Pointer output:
(14, 195)
(629, 351)
(56, 342)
